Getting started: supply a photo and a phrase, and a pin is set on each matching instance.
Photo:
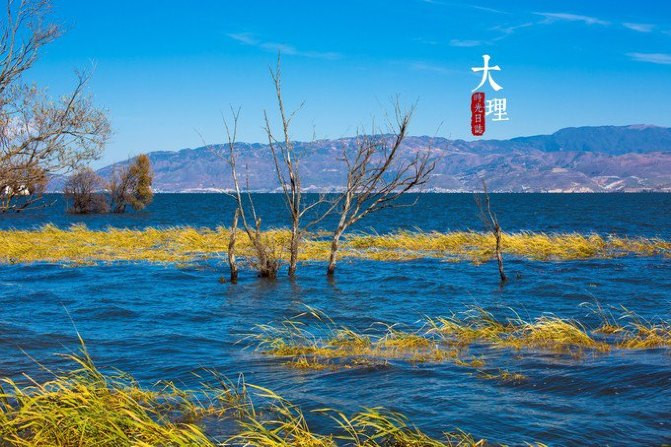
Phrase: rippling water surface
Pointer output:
(167, 321)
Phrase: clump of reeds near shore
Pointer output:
(79, 244)
(86, 408)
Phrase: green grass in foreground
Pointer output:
(184, 244)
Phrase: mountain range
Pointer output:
(577, 159)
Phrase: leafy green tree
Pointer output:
(132, 185)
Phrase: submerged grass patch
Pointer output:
(79, 244)
(545, 332)
(631, 331)
(504, 376)
(646, 336)
(311, 340)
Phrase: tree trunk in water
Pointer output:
(265, 264)
(293, 257)
(334, 250)
(268, 269)
(499, 256)
(231, 249)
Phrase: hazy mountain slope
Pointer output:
(606, 158)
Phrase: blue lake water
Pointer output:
(167, 322)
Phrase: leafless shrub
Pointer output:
(376, 177)
(83, 188)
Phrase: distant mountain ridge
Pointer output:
(577, 159)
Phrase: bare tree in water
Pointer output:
(85, 189)
(287, 168)
(267, 260)
(491, 223)
(39, 137)
(377, 176)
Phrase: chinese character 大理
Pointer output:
(497, 106)
(486, 74)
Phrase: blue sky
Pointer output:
(166, 70)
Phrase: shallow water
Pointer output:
(166, 321)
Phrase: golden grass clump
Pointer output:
(643, 335)
(553, 333)
(546, 332)
(378, 427)
(80, 245)
(635, 332)
(479, 246)
(311, 339)
(476, 325)
(283, 426)
(88, 408)
(313, 344)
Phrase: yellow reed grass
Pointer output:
(316, 343)
(312, 339)
(88, 408)
(546, 332)
(553, 333)
(378, 427)
(630, 331)
(475, 324)
(79, 245)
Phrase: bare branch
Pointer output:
(377, 176)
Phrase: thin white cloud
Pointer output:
(568, 17)
(653, 58)
(290, 50)
(640, 27)
(480, 8)
(483, 8)
(245, 38)
(508, 30)
(465, 43)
